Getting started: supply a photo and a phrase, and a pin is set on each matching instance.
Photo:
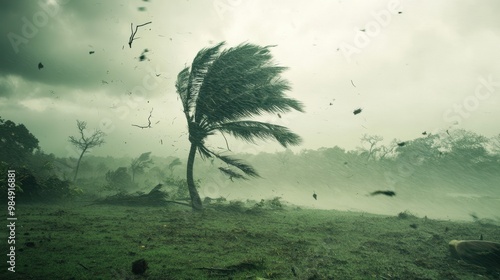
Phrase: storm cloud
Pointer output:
(409, 66)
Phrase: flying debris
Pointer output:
(279, 116)
(315, 196)
(40, 65)
(141, 9)
(143, 55)
(424, 133)
(149, 121)
(132, 36)
(362, 30)
(446, 130)
(353, 84)
(91, 52)
(357, 111)
(400, 12)
(401, 144)
(388, 193)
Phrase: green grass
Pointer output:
(75, 241)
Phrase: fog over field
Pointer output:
(398, 96)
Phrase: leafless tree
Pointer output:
(84, 143)
(372, 140)
(387, 150)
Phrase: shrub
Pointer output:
(406, 215)
(273, 204)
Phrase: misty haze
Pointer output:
(250, 140)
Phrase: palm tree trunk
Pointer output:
(193, 192)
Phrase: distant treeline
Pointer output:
(453, 160)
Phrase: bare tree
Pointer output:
(372, 140)
(387, 150)
(132, 36)
(84, 143)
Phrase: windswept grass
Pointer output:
(235, 242)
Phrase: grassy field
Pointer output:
(78, 241)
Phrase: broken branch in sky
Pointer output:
(135, 32)
(149, 121)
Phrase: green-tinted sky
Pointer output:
(410, 65)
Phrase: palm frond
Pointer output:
(224, 87)
(204, 151)
(231, 173)
(182, 87)
(246, 168)
(199, 69)
(249, 130)
(243, 81)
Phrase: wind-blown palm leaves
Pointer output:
(220, 90)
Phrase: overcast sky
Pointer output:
(411, 66)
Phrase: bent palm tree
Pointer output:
(220, 91)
